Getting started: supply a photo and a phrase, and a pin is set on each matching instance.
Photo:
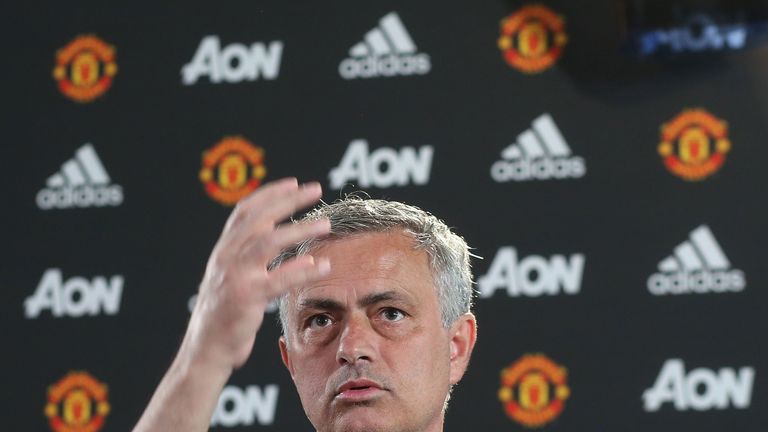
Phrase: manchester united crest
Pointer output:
(77, 403)
(532, 38)
(85, 68)
(534, 390)
(694, 144)
(232, 169)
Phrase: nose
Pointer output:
(356, 342)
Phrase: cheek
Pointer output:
(311, 377)
(425, 361)
(311, 393)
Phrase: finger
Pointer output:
(284, 206)
(270, 189)
(261, 248)
(268, 192)
(295, 273)
(263, 220)
(264, 215)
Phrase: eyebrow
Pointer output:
(374, 298)
(368, 300)
(319, 303)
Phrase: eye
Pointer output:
(319, 321)
(392, 314)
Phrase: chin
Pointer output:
(361, 426)
(362, 417)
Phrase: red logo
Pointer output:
(84, 68)
(232, 169)
(533, 390)
(532, 39)
(77, 403)
(694, 144)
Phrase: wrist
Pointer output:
(188, 393)
(194, 361)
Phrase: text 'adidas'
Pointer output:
(540, 153)
(82, 182)
(697, 266)
(385, 51)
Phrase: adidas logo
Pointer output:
(540, 153)
(697, 266)
(82, 182)
(385, 51)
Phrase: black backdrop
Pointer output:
(624, 216)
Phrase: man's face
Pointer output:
(367, 349)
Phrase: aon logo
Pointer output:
(243, 407)
(700, 389)
(75, 297)
(532, 276)
(383, 167)
(233, 64)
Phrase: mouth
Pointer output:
(358, 391)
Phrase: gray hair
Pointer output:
(448, 253)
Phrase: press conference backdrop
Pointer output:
(605, 158)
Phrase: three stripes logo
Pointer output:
(385, 51)
(698, 265)
(82, 182)
(540, 153)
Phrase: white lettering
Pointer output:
(235, 63)
(567, 275)
(238, 407)
(204, 62)
(701, 389)
(47, 295)
(532, 276)
(266, 61)
(75, 297)
(81, 196)
(699, 282)
(384, 167)
(385, 66)
(538, 169)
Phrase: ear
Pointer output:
(463, 334)
(285, 354)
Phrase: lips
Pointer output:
(358, 390)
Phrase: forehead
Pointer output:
(368, 262)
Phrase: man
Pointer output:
(374, 302)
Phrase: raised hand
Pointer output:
(237, 287)
(235, 291)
